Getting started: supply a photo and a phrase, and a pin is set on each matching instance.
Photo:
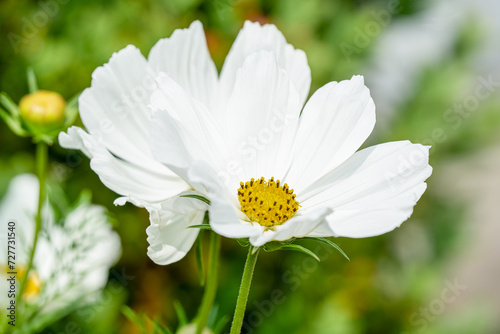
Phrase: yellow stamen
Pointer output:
(267, 202)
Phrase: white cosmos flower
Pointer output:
(207, 133)
(72, 259)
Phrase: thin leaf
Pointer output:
(332, 244)
(160, 329)
(132, 316)
(181, 314)
(201, 226)
(199, 258)
(198, 197)
(32, 83)
(302, 249)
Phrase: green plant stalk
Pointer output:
(246, 282)
(41, 169)
(211, 283)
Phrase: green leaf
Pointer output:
(198, 197)
(201, 226)
(32, 84)
(199, 258)
(332, 244)
(132, 316)
(181, 314)
(299, 248)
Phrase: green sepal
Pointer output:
(302, 249)
(244, 242)
(201, 226)
(13, 123)
(43, 138)
(198, 197)
(254, 249)
(71, 112)
(10, 105)
(331, 244)
(272, 246)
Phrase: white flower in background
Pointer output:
(272, 168)
(72, 259)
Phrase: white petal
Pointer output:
(138, 181)
(261, 118)
(182, 129)
(185, 58)
(225, 220)
(374, 191)
(254, 38)
(298, 226)
(114, 111)
(336, 120)
(114, 108)
(169, 237)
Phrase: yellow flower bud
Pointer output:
(43, 110)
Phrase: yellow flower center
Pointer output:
(33, 285)
(267, 202)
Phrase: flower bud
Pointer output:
(42, 110)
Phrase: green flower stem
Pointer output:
(211, 283)
(246, 281)
(41, 169)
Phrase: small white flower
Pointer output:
(72, 259)
(210, 133)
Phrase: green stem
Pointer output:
(211, 283)
(246, 281)
(41, 169)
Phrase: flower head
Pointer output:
(273, 166)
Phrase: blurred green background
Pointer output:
(421, 59)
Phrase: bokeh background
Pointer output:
(434, 71)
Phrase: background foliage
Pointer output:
(389, 278)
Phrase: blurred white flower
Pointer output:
(210, 135)
(72, 258)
